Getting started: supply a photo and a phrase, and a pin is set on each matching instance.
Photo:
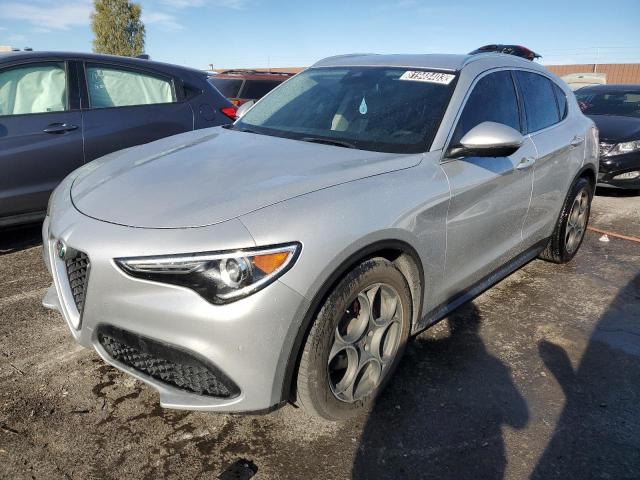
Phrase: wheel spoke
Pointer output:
(354, 321)
(582, 220)
(568, 235)
(389, 305)
(584, 202)
(373, 296)
(343, 366)
(366, 380)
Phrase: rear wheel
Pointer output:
(356, 341)
(572, 224)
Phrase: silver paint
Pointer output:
(463, 217)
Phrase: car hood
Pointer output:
(616, 128)
(208, 176)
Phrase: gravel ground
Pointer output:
(537, 378)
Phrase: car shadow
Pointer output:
(598, 433)
(616, 192)
(443, 416)
(20, 238)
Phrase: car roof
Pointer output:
(611, 88)
(22, 55)
(447, 62)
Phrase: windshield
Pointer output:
(369, 108)
(624, 103)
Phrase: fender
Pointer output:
(309, 315)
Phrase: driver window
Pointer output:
(34, 88)
(493, 99)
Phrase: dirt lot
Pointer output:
(537, 378)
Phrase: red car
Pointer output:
(240, 86)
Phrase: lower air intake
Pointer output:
(166, 363)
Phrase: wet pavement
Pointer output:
(537, 378)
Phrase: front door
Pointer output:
(489, 196)
(40, 137)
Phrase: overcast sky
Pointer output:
(261, 33)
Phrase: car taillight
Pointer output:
(230, 112)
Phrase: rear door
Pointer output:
(489, 196)
(556, 143)
(128, 106)
(40, 134)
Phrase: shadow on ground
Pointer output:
(443, 417)
(598, 433)
(19, 238)
(617, 192)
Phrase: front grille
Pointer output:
(605, 148)
(166, 363)
(78, 275)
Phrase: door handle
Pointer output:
(59, 128)
(576, 141)
(526, 163)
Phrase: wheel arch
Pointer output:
(399, 252)
(589, 172)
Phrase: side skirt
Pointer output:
(22, 219)
(444, 309)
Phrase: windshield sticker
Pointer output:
(429, 77)
(363, 106)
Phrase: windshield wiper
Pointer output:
(326, 141)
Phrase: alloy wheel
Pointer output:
(365, 342)
(577, 221)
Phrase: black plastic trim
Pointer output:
(503, 271)
(167, 352)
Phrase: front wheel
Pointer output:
(356, 341)
(571, 225)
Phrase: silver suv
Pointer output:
(290, 256)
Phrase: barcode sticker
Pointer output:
(429, 77)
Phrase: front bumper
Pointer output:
(616, 165)
(248, 341)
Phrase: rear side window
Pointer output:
(539, 100)
(112, 87)
(561, 97)
(493, 99)
(256, 89)
(228, 87)
(36, 88)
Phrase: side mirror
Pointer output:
(244, 108)
(489, 139)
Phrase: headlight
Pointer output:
(622, 148)
(219, 277)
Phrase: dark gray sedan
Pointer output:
(59, 111)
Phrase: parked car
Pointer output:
(290, 255)
(615, 109)
(241, 86)
(577, 81)
(59, 111)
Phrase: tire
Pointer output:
(561, 248)
(340, 329)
